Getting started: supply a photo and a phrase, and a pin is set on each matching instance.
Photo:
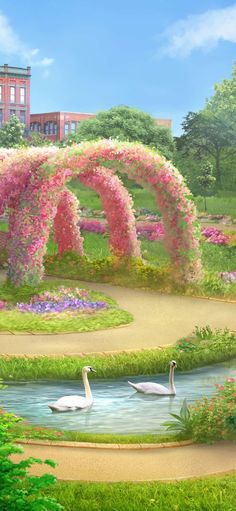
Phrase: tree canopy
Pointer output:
(126, 124)
(211, 132)
(11, 134)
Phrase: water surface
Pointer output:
(117, 407)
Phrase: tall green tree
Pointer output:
(12, 133)
(211, 133)
(208, 134)
(126, 124)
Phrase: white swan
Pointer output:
(156, 388)
(71, 403)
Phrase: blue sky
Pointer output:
(161, 56)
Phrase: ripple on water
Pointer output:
(117, 407)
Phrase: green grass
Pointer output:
(23, 322)
(208, 494)
(221, 347)
(225, 204)
(217, 205)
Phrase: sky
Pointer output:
(160, 56)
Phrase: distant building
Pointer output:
(57, 125)
(15, 100)
(15, 94)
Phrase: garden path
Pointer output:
(159, 320)
(145, 464)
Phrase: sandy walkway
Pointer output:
(158, 320)
(83, 464)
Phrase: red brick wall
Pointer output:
(7, 80)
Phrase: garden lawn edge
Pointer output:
(96, 445)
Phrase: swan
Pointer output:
(71, 403)
(156, 388)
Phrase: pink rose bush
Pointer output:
(67, 232)
(32, 184)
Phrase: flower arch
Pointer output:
(41, 198)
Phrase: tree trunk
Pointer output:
(218, 170)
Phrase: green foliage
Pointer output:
(221, 346)
(211, 133)
(127, 124)
(206, 180)
(11, 134)
(37, 139)
(18, 490)
(214, 419)
(126, 271)
(204, 494)
(212, 285)
(183, 422)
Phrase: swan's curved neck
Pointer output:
(171, 380)
(88, 392)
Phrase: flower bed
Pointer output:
(55, 308)
(62, 300)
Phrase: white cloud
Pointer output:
(201, 31)
(11, 44)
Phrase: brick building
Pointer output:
(15, 100)
(15, 94)
(57, 125)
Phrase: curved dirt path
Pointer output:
(113, 465)
(159, 320)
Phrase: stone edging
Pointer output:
(91, 445)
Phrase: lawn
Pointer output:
(209, 494)
(221, 205)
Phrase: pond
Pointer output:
(117, 407)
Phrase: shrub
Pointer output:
(215, 418)
(18, 490)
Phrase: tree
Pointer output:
(206, 180)
(126, 124)
(208, 134)
(37, 139)
(11, 135)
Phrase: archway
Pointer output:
(96, 163)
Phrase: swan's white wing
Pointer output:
(150, 388)
(72, 402)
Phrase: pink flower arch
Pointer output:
(40, 198)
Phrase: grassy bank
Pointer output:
(209, 494)
(218, 347)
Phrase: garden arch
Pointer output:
(95, 164)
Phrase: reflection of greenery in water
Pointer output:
(117, 407)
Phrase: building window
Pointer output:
(55, 128)
(1, 118)
(46, 128)
(39, 127)
(22, 95)
(22, 116)
(12, 112)
(73, 126)
(12, 94)
(0, 92)
(66, 128)
(51, 128)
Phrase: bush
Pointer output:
(129, 271)
(215, 419)
(18, 490)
